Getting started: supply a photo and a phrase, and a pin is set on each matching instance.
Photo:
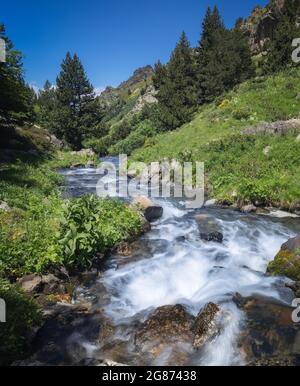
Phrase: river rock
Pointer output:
(108, 363)
(31, 284)
(90, 165)
(270, 331)
(206, 325)
(295, 287)
(287, 261)
(84, 153)
(151, 211)
(207, 224)
(60, 341)
(48, 285)
(77, 165)
(214, 236)
(249, 209)
(166, 326)
(210, 203)
(278, 361)
(56, 143)
(4, 207)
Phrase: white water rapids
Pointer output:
(183, 269)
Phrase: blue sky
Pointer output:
(112, 37)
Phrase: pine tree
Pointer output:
(176, 86)
(15, 95)
(76, 102)
(210, 56)
(280, 48)
(48, 109)
(224, 58)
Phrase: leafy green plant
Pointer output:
(22, 314)
(91, 226)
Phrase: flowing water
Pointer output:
(172, 265)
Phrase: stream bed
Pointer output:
(144, 303)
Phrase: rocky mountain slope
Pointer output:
(261, 24)
(130, 96)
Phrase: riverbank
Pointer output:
(175, 297)
(46, 240)
(247, 161)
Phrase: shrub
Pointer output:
(22, 314)
(91, 226)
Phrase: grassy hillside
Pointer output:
(237, 166)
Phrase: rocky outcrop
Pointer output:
(278, 128)
(4, 207)
(113, 99)
(259, 27)
(84, 153)
(287, 261)
(206, 325)
(148, 98)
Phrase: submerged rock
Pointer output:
(206, 325)
(287, 261)
(214, 236)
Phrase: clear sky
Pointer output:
(112, 37)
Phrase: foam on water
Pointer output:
(194, 273)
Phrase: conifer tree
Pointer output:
(76, 102)
(176, 86)
(16, 98)
(48, 108)
(280, 48)
(224, 58)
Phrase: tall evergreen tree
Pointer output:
(16, 98)
(224, 58)
(280, 48)
(176, 86)
(48, 109)
(76, 102)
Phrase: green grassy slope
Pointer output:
(237, 168)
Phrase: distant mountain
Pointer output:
(130, 96)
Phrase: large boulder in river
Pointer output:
(167, 326)
(206, 325)
(270, 333)
(151, 211)
(287, 261)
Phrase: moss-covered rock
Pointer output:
(287, 261)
